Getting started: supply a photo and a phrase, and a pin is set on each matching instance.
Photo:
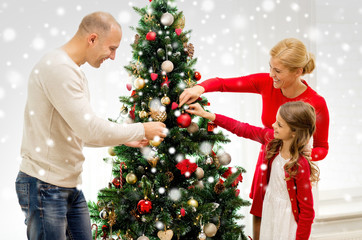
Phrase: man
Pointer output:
(58, 122)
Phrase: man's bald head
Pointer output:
(98, 22)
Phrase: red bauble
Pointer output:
(197, 76)
(144, 206)
(183, 212)
(184, 120)
(117, 182)
(151, 36)
(211, 126)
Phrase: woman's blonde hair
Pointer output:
(301, 118)
(293, 55)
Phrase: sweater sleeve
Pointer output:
(65, 89)
(320, 137)
(249, 84)
(305, 201)
(241, 129)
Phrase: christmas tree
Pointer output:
(180, 188)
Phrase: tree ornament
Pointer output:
(165, 235)
(174, 106)
(224, 158)
(186, 167)
(159, 116)
(151, 36)
(129, 86)
(131, 178)
(136, 39)
(183, 212)
(229, 172)
(117, 182)
(167, 19)
(139, 83)
(199, 173)
(111, 151)
(170, 176)
(184, 120)
(167, 66)
(143, 237)
(148, 17)
(193, 203)
(142, 114)
(219, 187)
(209, 160)
(210, 229)
(199, 184)
(153, 160)
(104, 214)
(197, 76)
(202, 236)
(154, 76)
(189, 49)
(211, 126)
(165, 100)
(194, 127)
(180, 23)
(154, 143)
(178, 31)
(144, 206)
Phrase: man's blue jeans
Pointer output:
(52, 212)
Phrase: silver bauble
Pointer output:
(167, 66)
(143, 237)
(167, 19)
(199, 173)
(224, 158)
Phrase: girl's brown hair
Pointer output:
(301, 118)
(293, 55)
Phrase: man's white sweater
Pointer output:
(59, 121)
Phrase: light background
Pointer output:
(231, 38)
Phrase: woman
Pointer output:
(288, 63)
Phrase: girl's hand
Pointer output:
(307, 152)
(190, 95)
(137, 144)
(197, 110)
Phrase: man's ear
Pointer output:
(92, 38)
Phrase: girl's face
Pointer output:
(282, 76)
(281, 129)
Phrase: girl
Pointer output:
(286, 174)
(289, 62)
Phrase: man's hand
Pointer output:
(190, 95)
(155, 129)
(137, 144)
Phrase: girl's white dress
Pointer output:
(277, 222)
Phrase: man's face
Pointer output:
(105, 47)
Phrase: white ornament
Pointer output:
(210, 229)
(167, 19)
(167, 66)
(224, 158)
(199, 173)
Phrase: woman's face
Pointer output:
(282, 76)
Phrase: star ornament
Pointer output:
(186, 167)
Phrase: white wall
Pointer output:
(231, 38)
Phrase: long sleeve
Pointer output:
(320, 137)
(249, 84)
(241, 129)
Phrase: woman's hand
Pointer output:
(137, 144)
(190, 95)
(197, 110)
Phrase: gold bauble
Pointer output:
(131, 178)
(159, 116)
(165, 100)
(111, 151)
(180, 22)
(192, 202)
(210, 229)
(153, 161)
(142, 114)
(154, 143)
(139, 83)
